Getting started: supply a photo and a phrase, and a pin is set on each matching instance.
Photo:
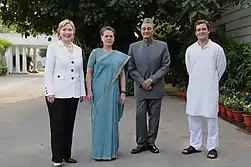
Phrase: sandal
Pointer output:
(190, 150)
(212, 154)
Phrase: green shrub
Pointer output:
(3, 69)
(183, 87)
(238, 71)
(129, 87)
(4, 45)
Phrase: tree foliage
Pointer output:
(4, 45)
(174, 18)
(5, 29)
(42, 16)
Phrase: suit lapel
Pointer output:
(63, 52)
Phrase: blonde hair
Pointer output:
(64, 23)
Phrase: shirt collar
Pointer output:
(208, 43)
(147, 42)
(61, 44)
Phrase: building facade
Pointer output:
(235, 23)
(23, 48)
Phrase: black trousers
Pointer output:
(62, 113)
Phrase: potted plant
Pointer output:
(222, 109)
(228, 104)
(247, 114)
(247, 110)
(182, 90)
(237, 110)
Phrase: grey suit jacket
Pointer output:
(149, 61)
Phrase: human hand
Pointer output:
(51, 98)
(82, 98)
(89, 96)
(149, 88)
(147, 83)
(122, 99)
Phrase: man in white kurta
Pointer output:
(205, 63)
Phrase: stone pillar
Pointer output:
(24, 56)
(6, 57)
(9, 59)
(28, 53)
(17, 60)
(35, 59)
(12, 51)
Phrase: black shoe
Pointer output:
(212, 154)
(153, 149)
(190, 150)
(138, 149)
(72, 161)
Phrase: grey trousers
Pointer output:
(152, 107)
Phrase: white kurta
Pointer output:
(205, 67)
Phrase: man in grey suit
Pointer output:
(148, 65)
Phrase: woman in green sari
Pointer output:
(105, 80)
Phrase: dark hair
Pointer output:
(106, 28)
(198, 22)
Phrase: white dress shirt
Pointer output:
(64, 76)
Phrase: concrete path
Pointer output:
(15, 88)
(25, 139)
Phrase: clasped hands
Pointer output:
(147, 84)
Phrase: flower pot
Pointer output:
(238, 116)
(182, 95)
(230, 115)
(247, 119)
(223, 112)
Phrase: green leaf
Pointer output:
(192, 14)
(184, 4)
(192, 3)
(112, 3)
(202, 12)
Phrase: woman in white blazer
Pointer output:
(64, 88)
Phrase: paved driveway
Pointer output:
(24, 139)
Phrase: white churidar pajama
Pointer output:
(195, 129)
(205, 67)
